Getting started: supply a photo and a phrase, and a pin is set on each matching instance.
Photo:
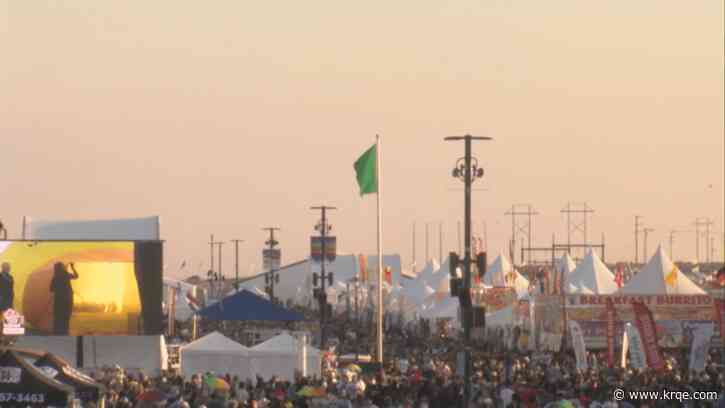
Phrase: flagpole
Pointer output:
(380, 253)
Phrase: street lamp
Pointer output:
(323, 279)
(272, 258)
(467, 170)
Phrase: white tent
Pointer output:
(280, 356)
(430, 268)
(591, 276)
(565, 265)
(502, 274)
(660, 276)
(447, 308)
(217, 353)
(182, 310)
(298, 275)
(417, 293)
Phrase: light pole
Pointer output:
(270, 277)
(321, 294)
(467, 169)
(646, 231)
(236, 262)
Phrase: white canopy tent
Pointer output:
(182, 310)
(281, 355)
(502, 274)
(565, 263)
(431, 267)
(591, 276)
(660, 276)
(217, 353)
(295, 280)
(447, 308)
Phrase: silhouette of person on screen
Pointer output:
(7, 288)
(63, 297)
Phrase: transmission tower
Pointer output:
(521, 225)
(577, 215)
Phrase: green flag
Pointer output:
(366, 169)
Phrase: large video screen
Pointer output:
(75, 288)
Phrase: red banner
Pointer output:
(720, 312)
(363, 268)
(646, 325)
(389, 275)
(611, 320)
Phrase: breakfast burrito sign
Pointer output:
(673, 315)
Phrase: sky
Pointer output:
(231, 116)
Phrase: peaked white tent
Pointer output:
(447, 308)
(281, 355)
(502, 274)
(217, 353)
(591, 276)
(430, 268)
(182, 309)
(660, 276)
(418, 292)
(565, 264)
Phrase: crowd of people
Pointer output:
(430, 380)
(421, 370)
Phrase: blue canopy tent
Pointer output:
(246, 306)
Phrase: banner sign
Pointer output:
(496, 298)
(580, 350)
(701, 334)
(13, 323)
(646, 326)
(637, 357)
(720, 314)
(611, 319)
(271, 259)
(625, 348)
(316, 248)
(670, 314)
(363, 274)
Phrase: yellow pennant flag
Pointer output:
(671, 278)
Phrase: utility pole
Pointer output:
(521, 228)
(637, 230)
(708, 242)
(427, 254)
(467, 170)
(414, 265)
(323, 228)
(485, 237)
(236, 262)
(579, 225)
(270, 277)
(440, 242)
(646, 231)
(699, 222)
(221, 274)
(211, 254)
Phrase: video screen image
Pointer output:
(82, 288)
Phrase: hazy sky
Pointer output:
(225, 117)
